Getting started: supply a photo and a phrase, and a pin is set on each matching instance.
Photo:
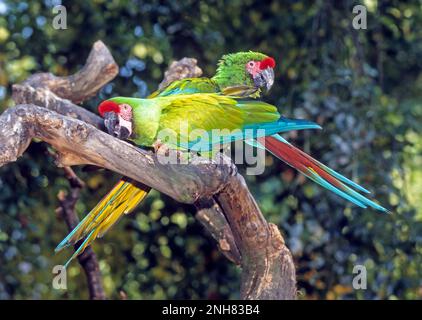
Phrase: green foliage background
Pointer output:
(363, 86)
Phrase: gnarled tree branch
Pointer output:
(99, 69)
(214, 222)
(184, 68)
(217, 190)
(212, 217)
(25, 94)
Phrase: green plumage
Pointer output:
(188, 86)
(181, 108)
(231, 69)
(208, 104)
(230, 79)
(179, 115)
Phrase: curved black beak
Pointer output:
(124, 133)
(264, 79)
(112, 122)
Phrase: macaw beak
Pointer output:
(111, 121)
(125, 128)
(117, 126)
(264, 79)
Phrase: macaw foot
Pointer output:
(216, 159)
(223, 160)
(157, 145)
(171, 156)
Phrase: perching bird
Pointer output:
(143, 120)
(240, 74)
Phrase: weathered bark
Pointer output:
(212, 218)
(78, 143)
(268, 271)
(225, 205)
(25, 94)
(99, 68)
(184, 68)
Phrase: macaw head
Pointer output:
(117, 118)
(246, 68)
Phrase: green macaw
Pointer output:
(207, 104)
(243, 74)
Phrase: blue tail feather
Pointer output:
(250, 132)
(75, 254)
(348, 193)
(329, 170)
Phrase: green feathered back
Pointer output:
(230, 79)
(179, 115)
(187, 86)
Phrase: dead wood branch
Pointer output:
(233, 218)
(184, 68)
(44, 89)
(99, 69)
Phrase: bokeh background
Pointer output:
(363, 86)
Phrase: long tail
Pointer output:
(250, 132)
(122, 199)
(317, 171)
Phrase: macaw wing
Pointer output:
(242, 91)
(201, 121)
(204, 85)
(214, 111)
(187, 86)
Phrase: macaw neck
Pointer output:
(236, 76)
(146, 119)
(218, 81)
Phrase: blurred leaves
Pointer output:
(363, 86)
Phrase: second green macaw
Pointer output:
(206, 104)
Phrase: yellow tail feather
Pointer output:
(122, 199)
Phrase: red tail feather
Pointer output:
(297, 159)
(318, 172)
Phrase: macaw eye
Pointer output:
(251, 63)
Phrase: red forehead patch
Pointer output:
(108, 106)
(267, 63)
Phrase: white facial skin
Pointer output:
(125, 124)
(261, 77)
(125, 120)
